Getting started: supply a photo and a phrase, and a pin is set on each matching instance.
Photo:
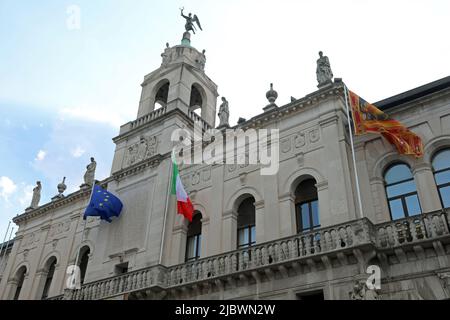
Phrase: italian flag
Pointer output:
(184, 204)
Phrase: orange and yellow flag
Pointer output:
(368, 118)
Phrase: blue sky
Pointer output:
(65, 92)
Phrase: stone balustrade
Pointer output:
(148, 117)
(196, 118)
(412, 229)
(302, 246)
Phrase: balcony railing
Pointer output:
(412, 229)
(148, 117)
(272, 254)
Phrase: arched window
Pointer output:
(194, 237)
(246, 223)
(441, 169)
(196, 98)
(84, 259)
(307, 206)
(401, 192)
(50, 268)
(20, 277)
(162, 95)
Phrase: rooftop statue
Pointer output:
(89, 174)
(190, 22)
(323, 72)
(224, 113)
(36, 196)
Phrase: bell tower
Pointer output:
(180, 82)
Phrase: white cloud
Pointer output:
(7, 187)
(94, 114)
(41, 155)
(27, 194)
(77, 152)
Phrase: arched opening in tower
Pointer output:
(162, 95)
(196, 102)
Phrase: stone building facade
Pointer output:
(297, 234)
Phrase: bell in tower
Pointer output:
(180, 82)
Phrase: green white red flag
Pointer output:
(184, 204)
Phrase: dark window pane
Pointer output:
(445, 196)
(190, 252)
(441, 160)
(305, 216)
(315, 213)
(243, 237)
(396, 209)
(412, 203)
(398, 173)
(253, 234)
(442, 177)
(402, 188)
(199, 245)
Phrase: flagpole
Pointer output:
(350, 125)
(9, 240)
(166, 209)
(77, 258)
(4, 239)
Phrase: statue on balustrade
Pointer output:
(224, 113)
(90, 174)
(323, 72)
(36, 196)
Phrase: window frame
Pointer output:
(249, 242)
(299, 217)
(197, 249)
(435, 172)
(403, 196)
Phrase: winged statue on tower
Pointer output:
(190, 22)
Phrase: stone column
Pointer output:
(205, 241)
(337, 171)
(426, 188)
(179, 236)
(260, 222)
(37, 262)
(288, 222)
(229, 231)
(325, 211)
(271, 208)
(381, 206)
(215, 239)
(7, 276)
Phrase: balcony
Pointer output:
(310, 248)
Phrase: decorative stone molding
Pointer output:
(294, 107)
(139, 151)
(297, 142)
(152, 162)
(76, 196)
(322, 186)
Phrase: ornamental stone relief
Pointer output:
(29, 240)
(197, 177)
(144, 149)
(59, 228)
(298, 141)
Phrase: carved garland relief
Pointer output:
(144, 149)
(300, 140)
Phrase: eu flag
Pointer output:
(103, 204)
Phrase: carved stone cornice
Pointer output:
(69, 199)
(151, 162)
(81, 194)
(293, 107)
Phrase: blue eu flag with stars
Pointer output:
(103, 204)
